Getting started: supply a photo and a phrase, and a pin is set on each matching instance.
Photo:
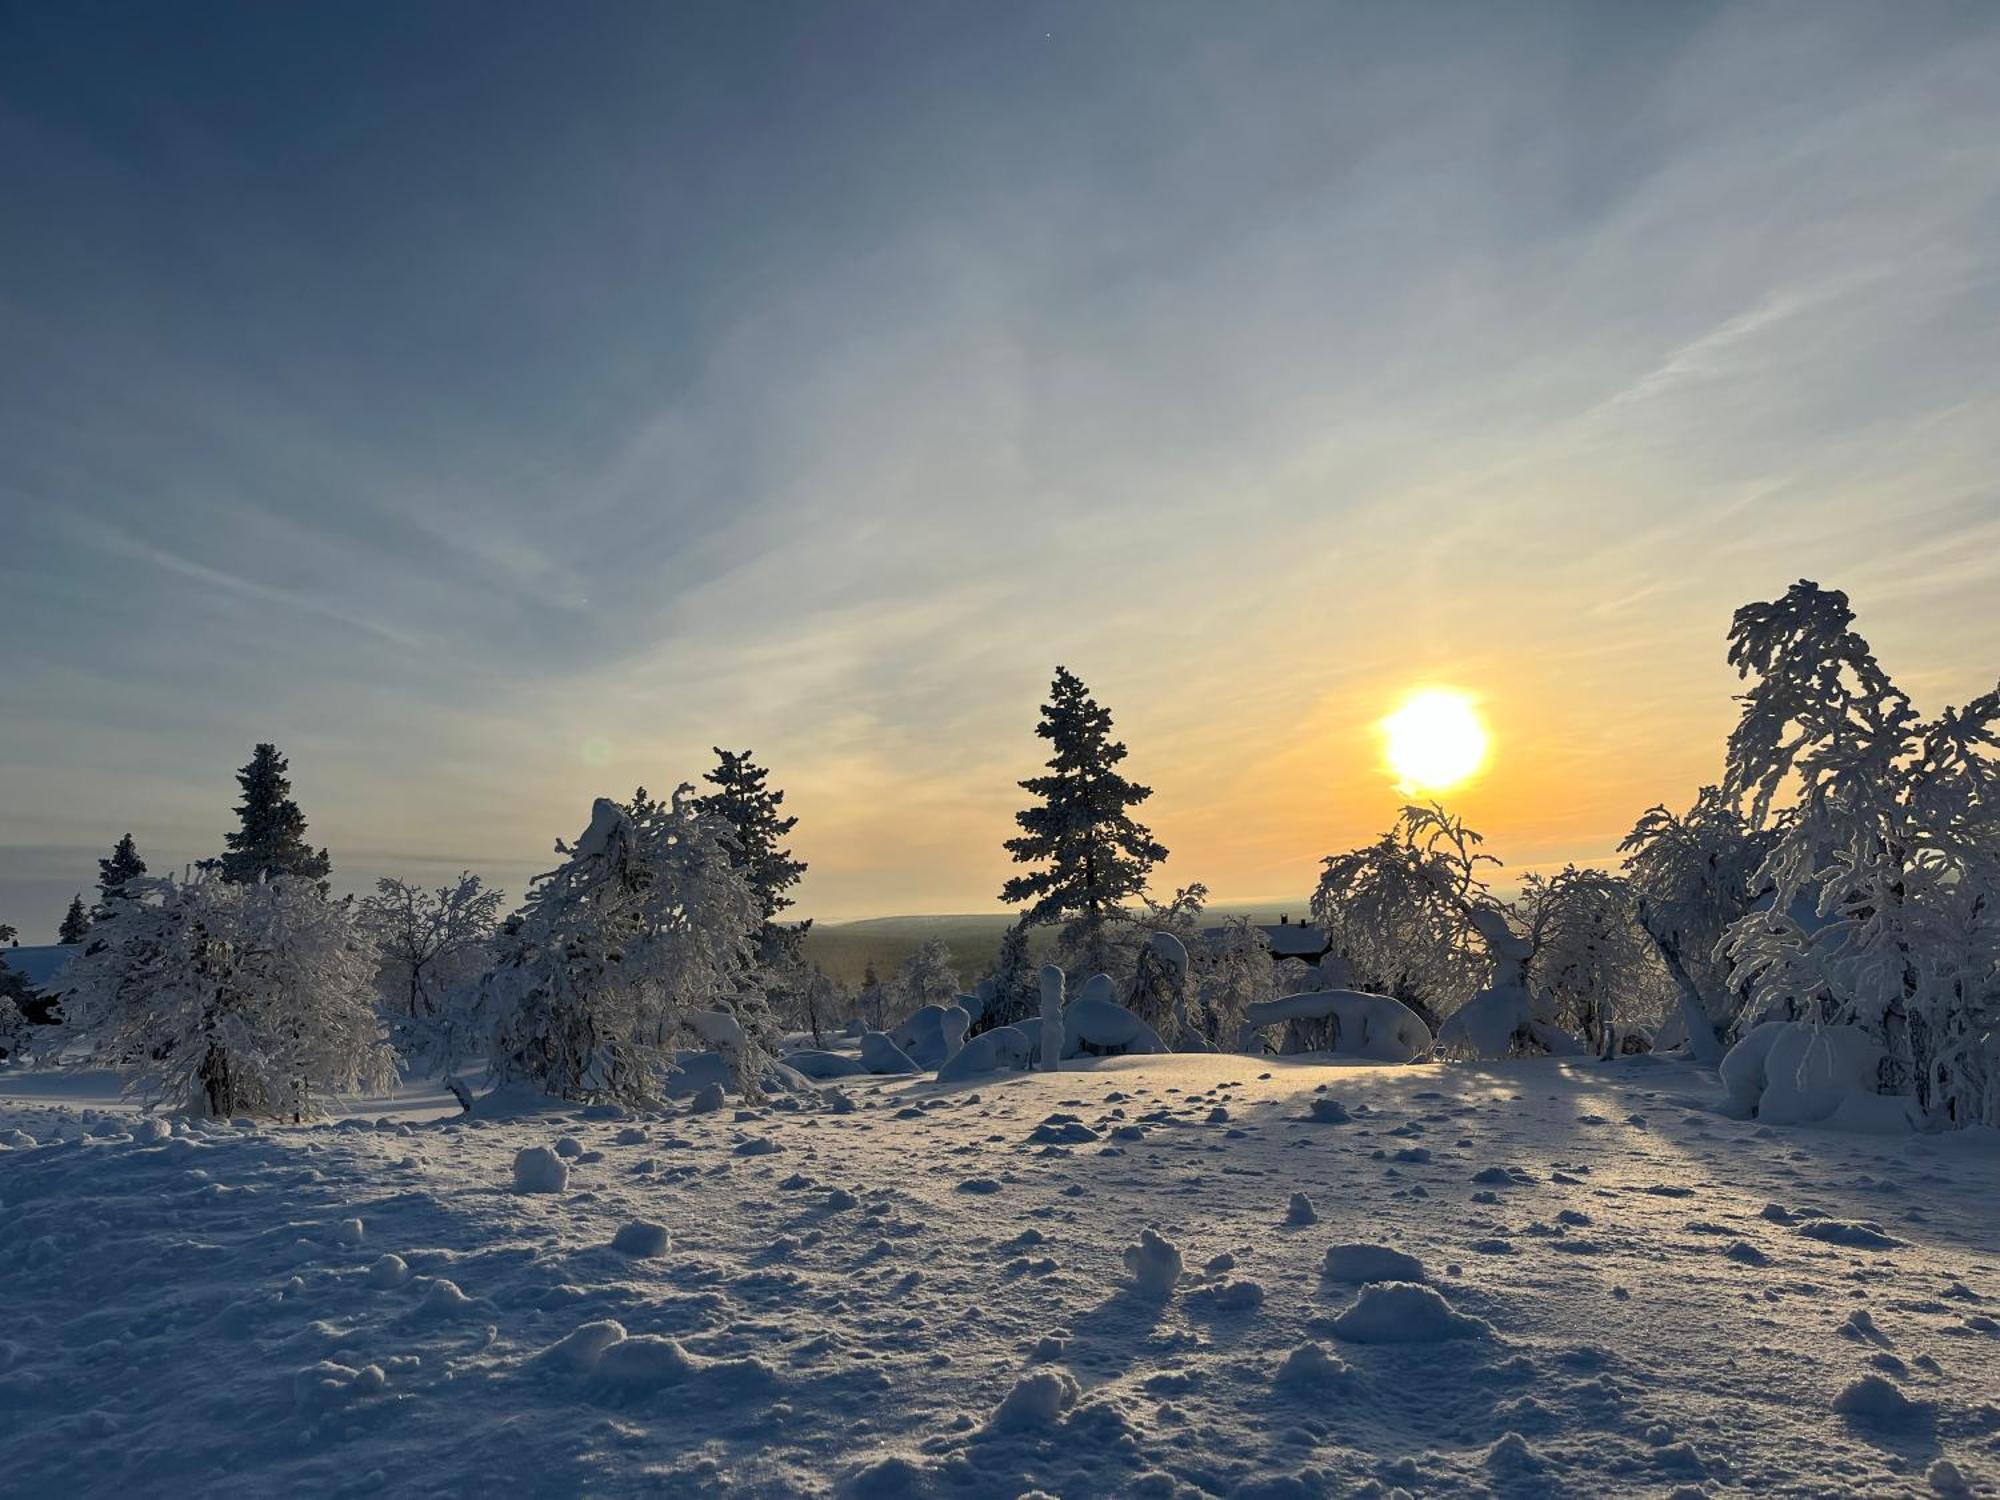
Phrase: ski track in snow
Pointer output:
(1627, 1294)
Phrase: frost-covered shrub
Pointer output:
(1892, 844)
(1694, 875)
(1400, 911)
(645, 925)
(1590, 964)
(1237, 976)
(431, 947)
(227, 998)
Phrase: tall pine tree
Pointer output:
(1096, 856)
(114, 873)
(272, 839)
(743, 800)
(75, 923)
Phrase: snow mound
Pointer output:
(1095, 1025)
(880, 1055)
(930, 1035)
(1037, 1400)
(635, 1364)
(1504, 1022)
(389, 1271)
(1364, 1263)
(1312, 1366)
(537, 1169)
(1401, 1312)
(1154, 1265)
(578, 1350)
(819, 1065)
(1351, 1023)
(1878, 1402)
(641, 1238)
(330, 1384)
(1862, 1234)
(708, 1099)
(1796, 1073)
(1004, 1049)
(694, 1072)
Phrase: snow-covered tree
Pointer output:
(872, 1004)
(1013, 983)
(643, 928)
(431, 947)
(743, 799)
(1694, 876)
(1096, 856)
(224, 998)
(1237, 973)
(1400, 911)
(928, 976)
(1590, 962)
(271, 838)
(75, 923)
(116, 871)
(429, 940)
(1894, 840)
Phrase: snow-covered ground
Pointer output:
(1625, 1293)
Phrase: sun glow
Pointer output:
(1434, 740)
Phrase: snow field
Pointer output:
(1590, 1282)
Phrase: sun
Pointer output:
(1434, 740)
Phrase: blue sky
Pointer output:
(498, 405)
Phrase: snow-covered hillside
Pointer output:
(1528, 1278)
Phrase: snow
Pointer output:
(1361, 1263)
(1402, 1312)
(191, 1311)
(538, 1169)
(929, 1035)
(1351, 1022)
(641, 1239)
(1794, 1073)
(1004, 1049)
(881, 1055)
(1501, 1022)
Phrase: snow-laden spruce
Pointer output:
(225, 998)
(647, 924)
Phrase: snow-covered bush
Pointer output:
(228, 998)
(431, 947)
(927, 976)
(1694, 876)
(930, 1034)
(645, 924)
(1893, 837)
(1591, 966)
(1237, 975)
(1400, 911)
(1377, 1027)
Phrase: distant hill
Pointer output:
(845, 949)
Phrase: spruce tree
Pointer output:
(743, 800)
(1096, 856)
(272, 839)
(75, 923)
(123, 866)
(1015, 981)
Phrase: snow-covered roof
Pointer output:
(40, 965)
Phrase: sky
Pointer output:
(499, 405)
